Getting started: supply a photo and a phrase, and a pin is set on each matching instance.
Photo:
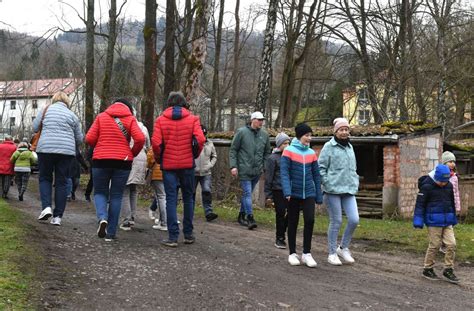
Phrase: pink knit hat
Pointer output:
(340, 122)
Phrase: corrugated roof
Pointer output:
(38, 88)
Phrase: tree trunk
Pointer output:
(198, 55)
(183, 46)
(266, 61)
(422, 115)
(89, 109)
(215, 80)
(169, 84)
(109, 60)
(235, 71)
(149, 75)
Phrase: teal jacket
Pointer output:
(249, 150)
(337, 166)
(23, 158)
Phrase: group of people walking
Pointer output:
(179, 156)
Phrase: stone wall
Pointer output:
(466, 191)
(418, 156)
(391, 179)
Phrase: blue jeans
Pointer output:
(335, 203)
(205, 182)
(247, 189)
(59, 164)
(185, 179)
(109, 184)
(68, 187)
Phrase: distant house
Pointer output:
(20, 102)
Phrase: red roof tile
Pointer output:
(38, 88)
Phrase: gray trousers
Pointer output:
(129, 202)
(160, 196)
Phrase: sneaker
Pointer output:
(334, 260)
(345, 253)
(132, 221)
(45, 214)
(189, 239)
(308, 260)
(280, 243)
(109, 238)
(170, 243)
(241, 219)
(251, 222)
(294, 260)
(211, 216)
(429, 274)
(442, 249)
(151, 214)
(20, 197)
(73, 196)
(160, 227)
(450, 276)
(68, 198)
(56, 221)
(126, 226)
(101, 231)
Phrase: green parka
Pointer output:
(249, 150)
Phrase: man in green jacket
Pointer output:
(249, 150)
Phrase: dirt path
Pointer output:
(227, 268)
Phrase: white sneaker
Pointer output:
(334, 260)
(294, 260)
(45, 214)
(160, 227)
(308, 260)
(151, 214)
(345, 253)
(56, 221)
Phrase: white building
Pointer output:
(20, 102)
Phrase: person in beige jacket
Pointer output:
(204, 164)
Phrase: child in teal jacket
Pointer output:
(23, 159)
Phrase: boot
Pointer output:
(241, 219)
(20, 197)
(251, 222)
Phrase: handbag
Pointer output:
(195, 147)
(36, 137)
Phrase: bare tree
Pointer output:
(90, 28)
(169, 83)
(235, 71)
(149, 75)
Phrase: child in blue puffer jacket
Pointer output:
(435, 208)
(301, 184)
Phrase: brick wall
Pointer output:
(418, 156)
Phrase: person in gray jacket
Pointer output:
(204, 164)
(60, 134)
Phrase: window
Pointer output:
(12, 104)
(12, 121)
(364, 116)
(35, 104)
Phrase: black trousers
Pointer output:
(281, 208)
(294, 208)
(90, 184)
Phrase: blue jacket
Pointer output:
(338, 168)
(61, 131)
(434, 204)
(299, 172)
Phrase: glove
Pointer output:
(418, 222)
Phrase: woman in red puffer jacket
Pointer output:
(110, 136)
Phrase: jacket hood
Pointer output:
(21, 149)
(176, 113)
(296, 143)
(118, 110)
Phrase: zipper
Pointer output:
(304, 177)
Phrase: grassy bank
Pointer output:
(15, 279)
(387, 235)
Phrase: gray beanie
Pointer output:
(281, 138)
(447, 156)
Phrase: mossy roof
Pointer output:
(462, 144)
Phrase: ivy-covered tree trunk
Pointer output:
(183, 54)
(198, 55)
(149, 76)
(109, 61)
(169, 83)
(89, 109)
(235, 70)
(266, 62)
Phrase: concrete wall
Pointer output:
(418, 156)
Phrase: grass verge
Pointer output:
(15, 279)
(387, 235)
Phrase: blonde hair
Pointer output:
(61, 97)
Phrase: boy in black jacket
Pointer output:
(273, 191)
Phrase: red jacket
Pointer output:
(172, 138)
(107, 138)
(7, 148)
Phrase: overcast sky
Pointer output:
(37, 16)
